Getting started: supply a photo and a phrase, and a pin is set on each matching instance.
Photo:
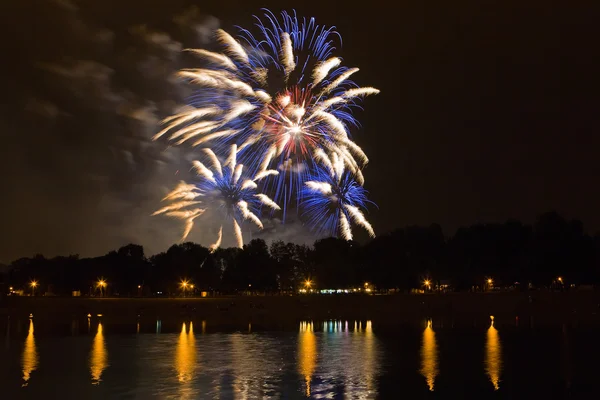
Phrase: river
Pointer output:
(91, 359)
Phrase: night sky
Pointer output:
(488, 111)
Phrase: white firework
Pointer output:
(224, 190)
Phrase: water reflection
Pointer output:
(370, 360)
(185, 355)
(307, 353)
(30, 357)
(493, 356)
(348, 363)
(256, 366)
(98, 356)
(317, 360)
(566, 358)
(429, 356)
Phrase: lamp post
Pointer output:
(101, 284)
(308, 284)
(33, 285)
(184, 286)
(427, 284)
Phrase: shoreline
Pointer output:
(541, 306)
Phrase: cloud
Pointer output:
(84, 175)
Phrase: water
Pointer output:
(332, 359)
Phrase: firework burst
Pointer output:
(279, 96)
(223, 190)
(333, 198)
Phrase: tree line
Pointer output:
(509, 253)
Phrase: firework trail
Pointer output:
(223, 189)
(332, 198)
(279, 96)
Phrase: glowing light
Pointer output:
(370, 362)
(308, 283)
(493, 356)
(184, 284)
(429, 356)
(560, 279)
(33, 284)
(222, 192)
(30, 358)
(185, 355)
(490, 281)
(332, 197)
(282, 89)
(307, 353)
(98, 356)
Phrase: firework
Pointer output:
(279, 96)
(333, 198)
(224, 190)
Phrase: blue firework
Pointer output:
(224, 190)
(332, 198)
(279, 95)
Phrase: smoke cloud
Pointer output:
(86, 92)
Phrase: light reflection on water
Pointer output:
(331, 359)
(429, 356)
(307, 353)
(493, 356)
(186, 360)
(349, 361)
(98, 356)
(256, 365)
(30, 359)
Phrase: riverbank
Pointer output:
(544, 307)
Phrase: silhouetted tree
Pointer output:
(509, 252)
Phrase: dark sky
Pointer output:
(488, 111)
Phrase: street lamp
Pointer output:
(427, 284)
(560, 279)
(101, 284)
(307, 285)
(184, 286)
(33, 285)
